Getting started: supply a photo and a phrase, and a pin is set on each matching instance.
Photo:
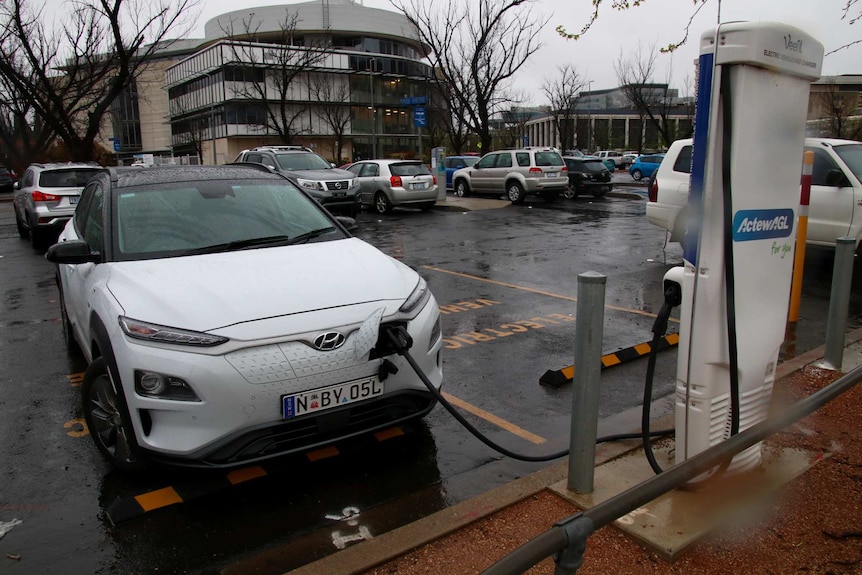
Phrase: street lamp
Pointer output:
(589, 116)
(371, 63)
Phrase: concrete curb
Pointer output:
(392, 544)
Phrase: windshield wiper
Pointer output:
(310, 235)
(240, 245)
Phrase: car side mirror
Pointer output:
(836, 178)
(72, 252)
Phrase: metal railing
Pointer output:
(567, 539)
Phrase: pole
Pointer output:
(589, 117)
(801, 236)
(373, 61)
(585, 384)
(212, 116)
(839, 304)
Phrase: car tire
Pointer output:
(37, 237)
(515, 192)
(462, 190)
(23, 232)
(637, 175)
(382, 203)
(107, 418)
(571, 192)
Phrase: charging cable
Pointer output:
(402, 342)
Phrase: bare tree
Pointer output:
(23, 135)
(70, 76)
(651, 100)
(189, 129)
(476, 48)
(562, 92)
(282, 63)
(839, 110)
(332, 96)
(513, 127)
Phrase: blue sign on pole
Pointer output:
(419, 118)
(415, 100)
(526, 139)
(116, 144)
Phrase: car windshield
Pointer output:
(852, 156)
(302, 161)
(68, 178)
(548, 159)
(592, 166)
(185, 218)
(411, 169)
(468, 161)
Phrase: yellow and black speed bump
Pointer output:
(127, 507)
(559, 377)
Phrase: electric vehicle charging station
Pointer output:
(752, 102)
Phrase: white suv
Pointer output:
(836, 191)
(46, 196)
(516, 173)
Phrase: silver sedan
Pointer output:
(385, 184)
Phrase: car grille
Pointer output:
(339, 185)
(304, 367)
(314, 431)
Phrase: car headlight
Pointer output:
(164, 334)
(310, 184)
(417, 298)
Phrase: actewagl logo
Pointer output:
(762, 224)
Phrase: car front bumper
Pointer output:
(238, 418)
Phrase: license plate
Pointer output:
(328, 397)
(551, 174)
(419, 186)
(339, 194)
(74, 199)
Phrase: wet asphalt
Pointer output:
(505, 279)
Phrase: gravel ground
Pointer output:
(813, 526)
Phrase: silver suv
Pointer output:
(514, 173)
(334, 188)
(46, 197)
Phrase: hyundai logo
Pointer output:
(329, 341)
(337, 185)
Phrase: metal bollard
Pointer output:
(589, 329)
(839, 304)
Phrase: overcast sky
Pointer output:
(656, 21)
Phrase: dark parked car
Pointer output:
(587, 175)
(7, 179)
(456, 163)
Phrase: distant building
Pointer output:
(195, 94)
(605, 120)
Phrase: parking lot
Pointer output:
(506, 283)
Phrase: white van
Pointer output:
(835, 208)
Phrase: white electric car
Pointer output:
(228, 318)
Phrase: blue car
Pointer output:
(456, 163)
(645, 166)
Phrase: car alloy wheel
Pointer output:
(462, 190)
(382, 203)
(637, 175)
(515, 193)
(106, 418)
(570, 193)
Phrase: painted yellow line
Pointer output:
(491, 418)
(538, 291)
(323, 453)
(245, 474)
(158, 498)
(389, 433)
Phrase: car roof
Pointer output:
(128, 176)
(65, 165)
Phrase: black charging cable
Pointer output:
(401, 344)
